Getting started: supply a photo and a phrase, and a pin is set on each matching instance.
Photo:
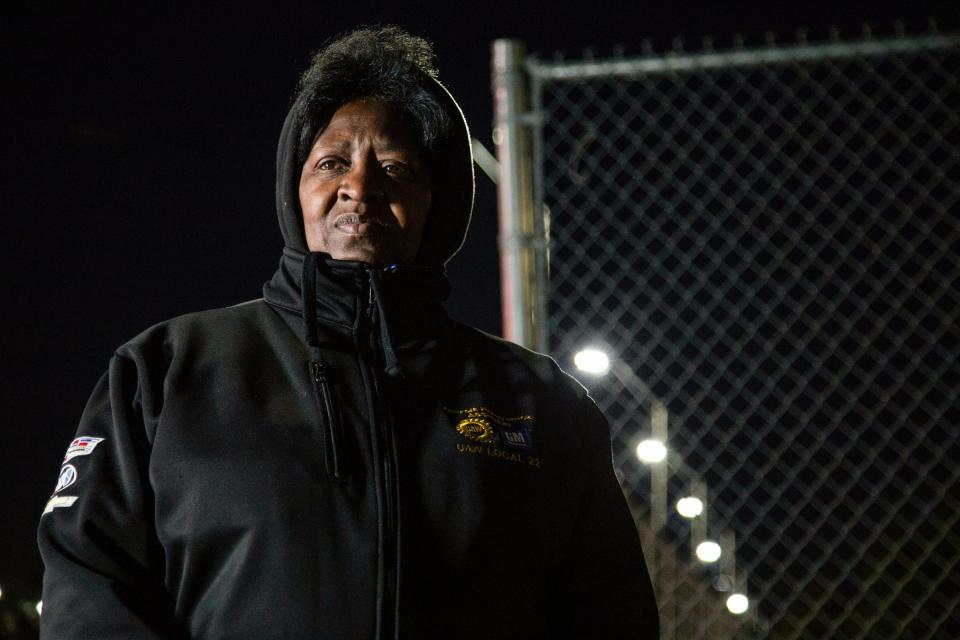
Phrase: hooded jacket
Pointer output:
(339, 459)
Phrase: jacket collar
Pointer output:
(413, 296)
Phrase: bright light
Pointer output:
(689, 507)
(1, 592)
(39, 607)
(651, 451)
(592, 361)
(737, 603)
(708, 551)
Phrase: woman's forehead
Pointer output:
(369, 121)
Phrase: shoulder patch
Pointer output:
(82, 446)
(68, 475)
(59, 501)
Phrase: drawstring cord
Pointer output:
(308, 302)
(391, 362)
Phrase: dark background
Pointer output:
(137, 176)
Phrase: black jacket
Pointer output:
(339, 460)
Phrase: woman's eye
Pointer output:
(397, 169)
(329, 164)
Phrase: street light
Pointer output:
(738, 603)
(592, 361)
(690, 507)
(708, 551)
(651, 451)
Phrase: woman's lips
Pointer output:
(355, 224)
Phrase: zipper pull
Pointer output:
(319, 373)
(332, 431)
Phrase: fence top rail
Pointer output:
(680, 62)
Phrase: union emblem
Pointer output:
(476, 428)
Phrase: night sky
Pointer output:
(138, 175)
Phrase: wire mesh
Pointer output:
(768, 245)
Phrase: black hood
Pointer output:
(451, 167)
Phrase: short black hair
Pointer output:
(384, 64)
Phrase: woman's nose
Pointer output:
(362, 182)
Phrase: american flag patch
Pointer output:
(82, 446)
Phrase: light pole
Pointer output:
(658, 472)
(698, 525)
(737, 602)
(652, 452)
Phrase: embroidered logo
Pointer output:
(518, 439)
(476, 428)
(506, 438)
(58, 501)
(68, 475)
(82, 446)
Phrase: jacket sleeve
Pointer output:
(103, 564)
(608, 589)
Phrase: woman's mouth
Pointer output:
(355, 224)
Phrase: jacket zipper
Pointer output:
(384, 451)
(391, 529)
(331, 419)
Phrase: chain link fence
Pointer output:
(766, 243)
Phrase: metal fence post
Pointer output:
(520, 248)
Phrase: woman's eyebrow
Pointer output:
(346, 145)
(390, 145)
(334, 145)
